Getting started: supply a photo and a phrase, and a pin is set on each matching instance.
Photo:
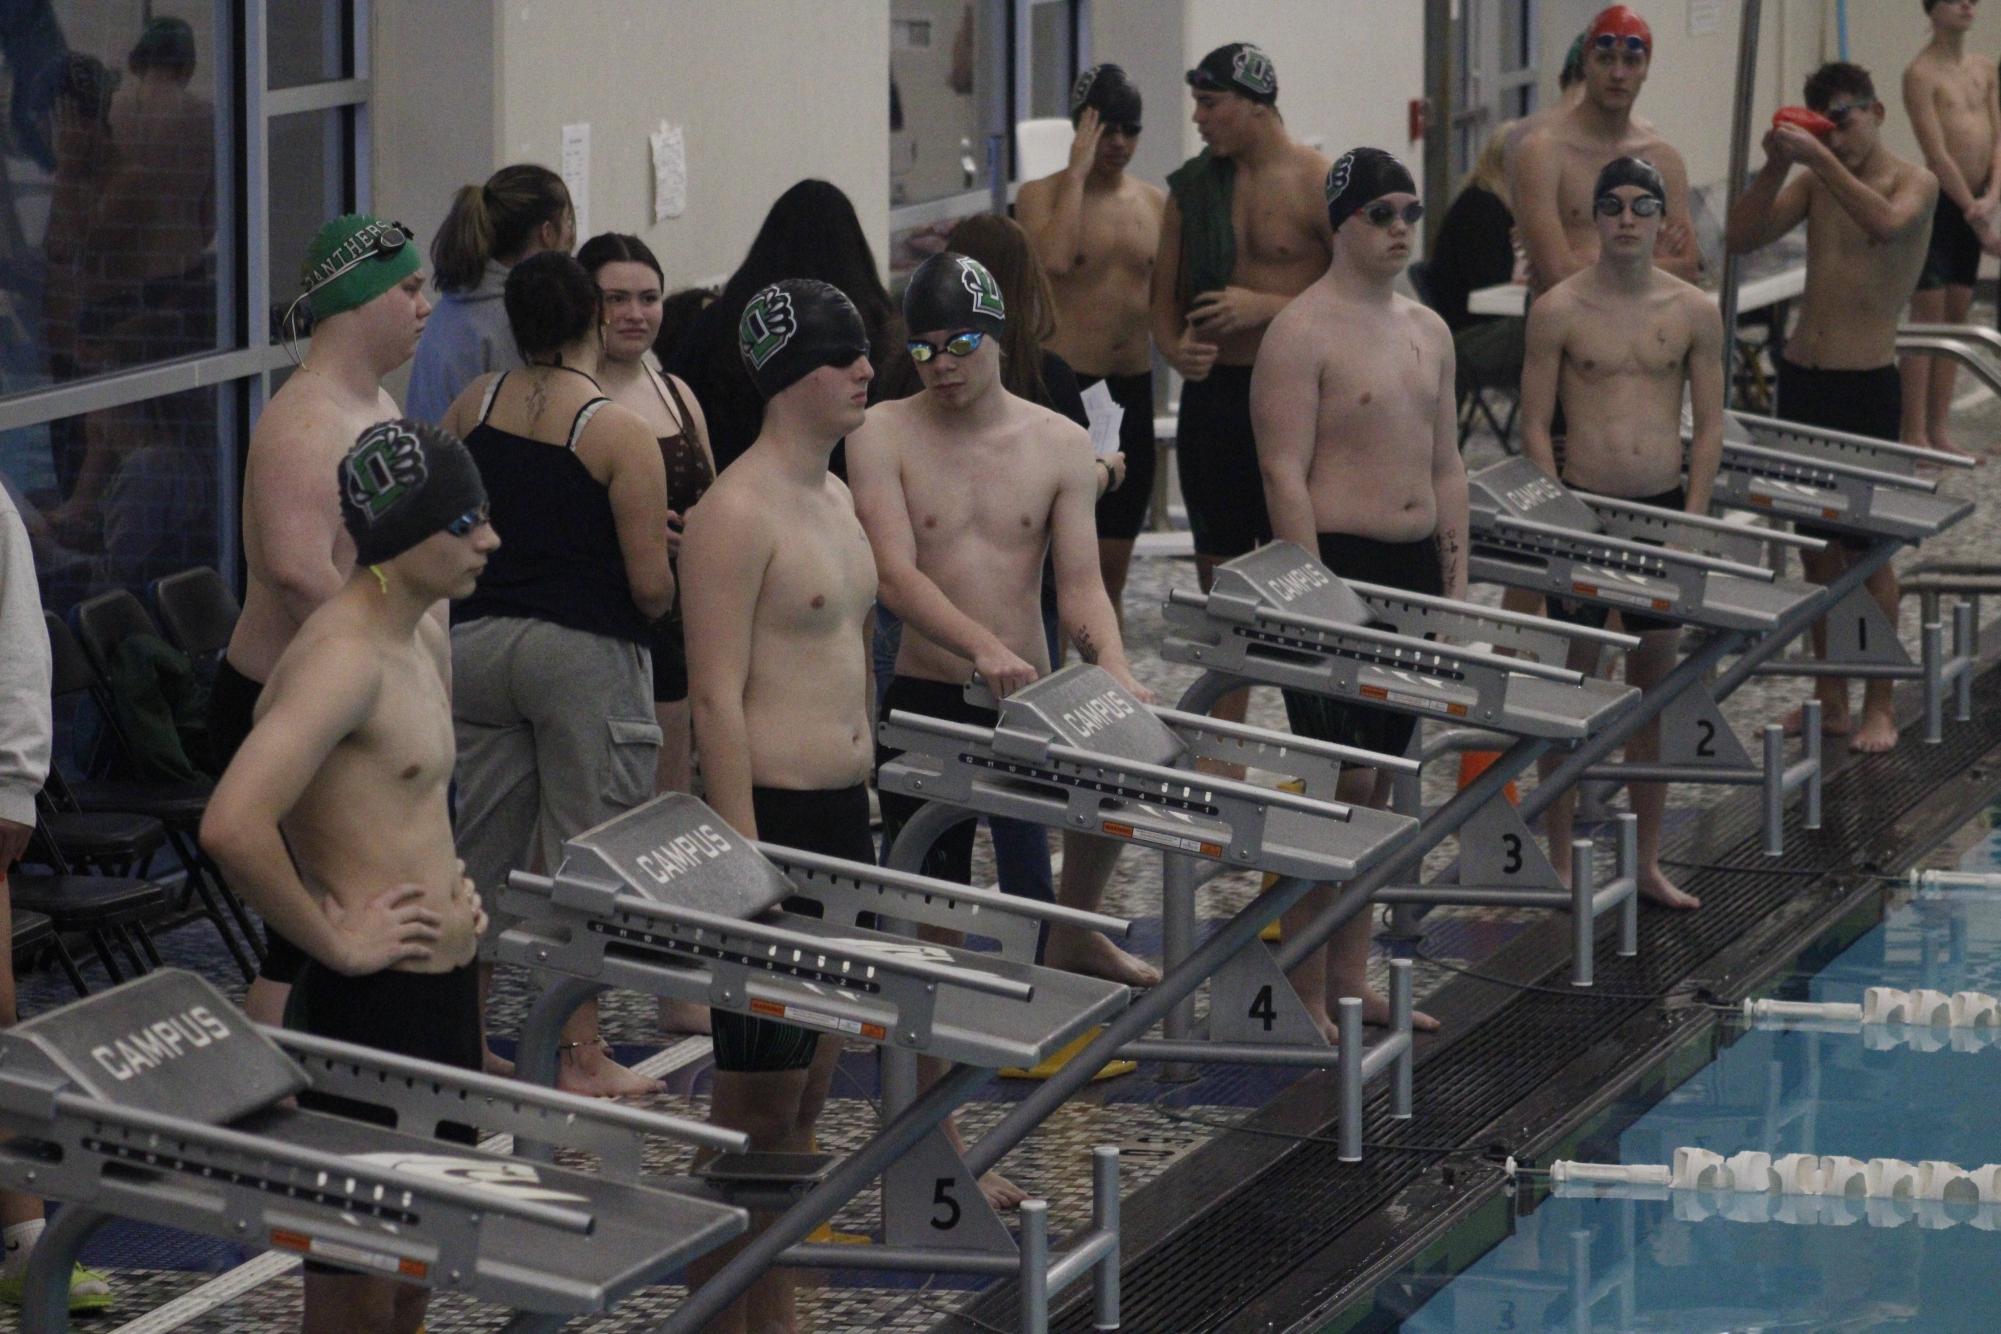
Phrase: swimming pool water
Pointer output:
(1626, 1264)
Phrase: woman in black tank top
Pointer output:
(551, 655)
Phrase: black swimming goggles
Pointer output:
(1612, 41)
(471, 519)
(1382, 213)
(1644, 206)
(961, 344)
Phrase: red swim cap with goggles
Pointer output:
(1623, 27)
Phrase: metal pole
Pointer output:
(847, 1180)
(1034, 1267)
(1438, 114)
(45, 1288)
(1105, 1219)
(1740, 161)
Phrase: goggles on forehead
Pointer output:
(962, 344)
(1841, 111)
(1612, 41)
(1643, 206)
(387, 241)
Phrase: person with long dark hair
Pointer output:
(552, 669)
(521, 211)
(810, 232)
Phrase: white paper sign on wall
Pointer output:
(670, 171)
(1704, 17)
(577, 172)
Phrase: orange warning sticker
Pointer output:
(340, 1253)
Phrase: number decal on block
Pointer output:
(941, 1197)
(1512, 845)
(1262, 1008)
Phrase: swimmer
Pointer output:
(1617, 342)
(777, 584)
(1096, 231)
(1954, 102)
(364, 284)
(1868, 213)
(1559, 160)
(963, 488)
(332, 819)
(1358, 442)
(1244, 232)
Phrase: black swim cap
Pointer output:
(403, 481)
(950, 292)
(1108, 90)
(1630, 171)
(1237, 67)
(793, 328)
(1360, 176)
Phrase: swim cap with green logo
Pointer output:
(1237, 67)
(403, 481)
(950, 292)
(793, 328)
(354, 259)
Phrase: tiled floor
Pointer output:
(149, 1267)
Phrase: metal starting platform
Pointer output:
(1074, 751)
(1869, 490)
(1529, 531)
(159, 1101)
(1279, 617)
(669, 900)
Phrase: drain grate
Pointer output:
(1246, 1243)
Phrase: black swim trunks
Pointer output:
(834, 823)
(1122, 513)
(428, 1016)
(232, 705)
(1411, 566)
(951, 857)
(1594, 614)
(1216, 458)
(1867, 403)
(1954, 257)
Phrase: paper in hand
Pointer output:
(1105, 415)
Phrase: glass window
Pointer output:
(308, 185)
(306, 41)
(119, 497)
(109, 185)
(937, 132)
(1052, 61)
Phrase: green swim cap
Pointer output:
(354, 259)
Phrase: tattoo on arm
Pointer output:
(1087, 647)
(1448, 557)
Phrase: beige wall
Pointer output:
(1145, 37)
(768, 91)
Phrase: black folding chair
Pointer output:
(177, 806)
(197, 611)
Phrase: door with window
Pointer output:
(1495, 52)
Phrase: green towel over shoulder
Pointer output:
(1202, 188)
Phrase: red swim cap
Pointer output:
(1619, 21)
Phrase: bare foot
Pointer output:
(1833, 722)
(683, 1017)
(1944, 446)
(1655, 885)
(590, 1071)
(1001, 1193)
(1376, 1010)
(495, 1065)
(1093, 954)
(1878, 734)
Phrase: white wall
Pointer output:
(768, 91)
(1145, 37)
(1347, 69)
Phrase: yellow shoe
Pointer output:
(1047, 1070)
(89, 1291)
(1271, 935)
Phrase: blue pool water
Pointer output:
(1626, 1264)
